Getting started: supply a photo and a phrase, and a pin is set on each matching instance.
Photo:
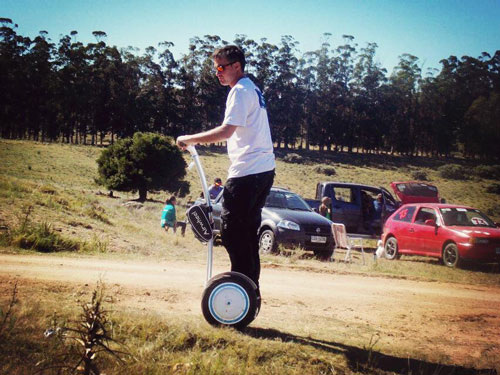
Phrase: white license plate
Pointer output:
(318, 239)
(497, 250)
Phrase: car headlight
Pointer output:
(477, 240)
(287, 224)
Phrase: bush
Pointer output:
(493, 189)
(329, 171)
(419, 175)
(143, 163)
(491, 172)
(43, 238)
(454, 172)
(494, 210)
(293, 158)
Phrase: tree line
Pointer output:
(336, 98)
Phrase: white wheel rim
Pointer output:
(265, 243)
(228, 303)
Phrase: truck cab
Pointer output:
(363, 209)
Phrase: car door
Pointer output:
(425, 239)
(402, 228)
(346, 206)
(389, 204)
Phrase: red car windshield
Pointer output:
(465, 217)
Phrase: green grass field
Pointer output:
(50, 188)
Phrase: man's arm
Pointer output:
(218, 134)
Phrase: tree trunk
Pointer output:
(143, 192)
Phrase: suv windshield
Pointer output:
(286, 199)
(465, 217)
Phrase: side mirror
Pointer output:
(431, 222)
(315, 210)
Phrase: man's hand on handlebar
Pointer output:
(183, 141)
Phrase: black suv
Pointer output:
(287, 219)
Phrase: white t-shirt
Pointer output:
(250, 148)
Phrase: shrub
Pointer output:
(494, 210)
(419, 175)
(493, 189)
(491, 172)
(293, 158)
(454, 172)
(94, 211)
(327, 170)
(42, 237)
(143, 163)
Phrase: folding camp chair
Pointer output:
(345, 241)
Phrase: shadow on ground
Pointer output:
(369, 361)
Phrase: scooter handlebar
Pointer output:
(192, 150)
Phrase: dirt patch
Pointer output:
(402, 318)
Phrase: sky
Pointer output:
(429, 29)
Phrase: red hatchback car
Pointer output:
(449, 232)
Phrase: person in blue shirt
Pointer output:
(168, 217)
(377, 207)
(216, 188)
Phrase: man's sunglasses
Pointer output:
(221, 68)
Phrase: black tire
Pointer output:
(323, 255)
(391, 248)
(451, 257)
(230, 299)
(267, 242)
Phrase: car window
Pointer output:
(389, 199)
(344, 194)
(405, 214)
(465, 217)
(287, 200)
(425, 213)
(417, 189)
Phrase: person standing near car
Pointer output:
(250, 149)
(216, 188)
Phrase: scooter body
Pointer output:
(229, 298)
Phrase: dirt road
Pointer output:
(439, 322)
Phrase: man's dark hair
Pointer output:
(231, 54)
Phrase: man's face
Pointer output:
(226, 72)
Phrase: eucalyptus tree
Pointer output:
(404, 80)
(170, 98)
(369, 77)
(283, 97)
(316, 75)
(474, 79)
(40, 111)
(73, 90)
(484, 117)
(344, 117)
(13, 80)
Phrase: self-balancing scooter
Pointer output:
(230, 298)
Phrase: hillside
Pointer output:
(317, 317)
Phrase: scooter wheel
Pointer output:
(230, 299)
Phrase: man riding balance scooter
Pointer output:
(250, 150)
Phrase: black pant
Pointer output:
(244, 198)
